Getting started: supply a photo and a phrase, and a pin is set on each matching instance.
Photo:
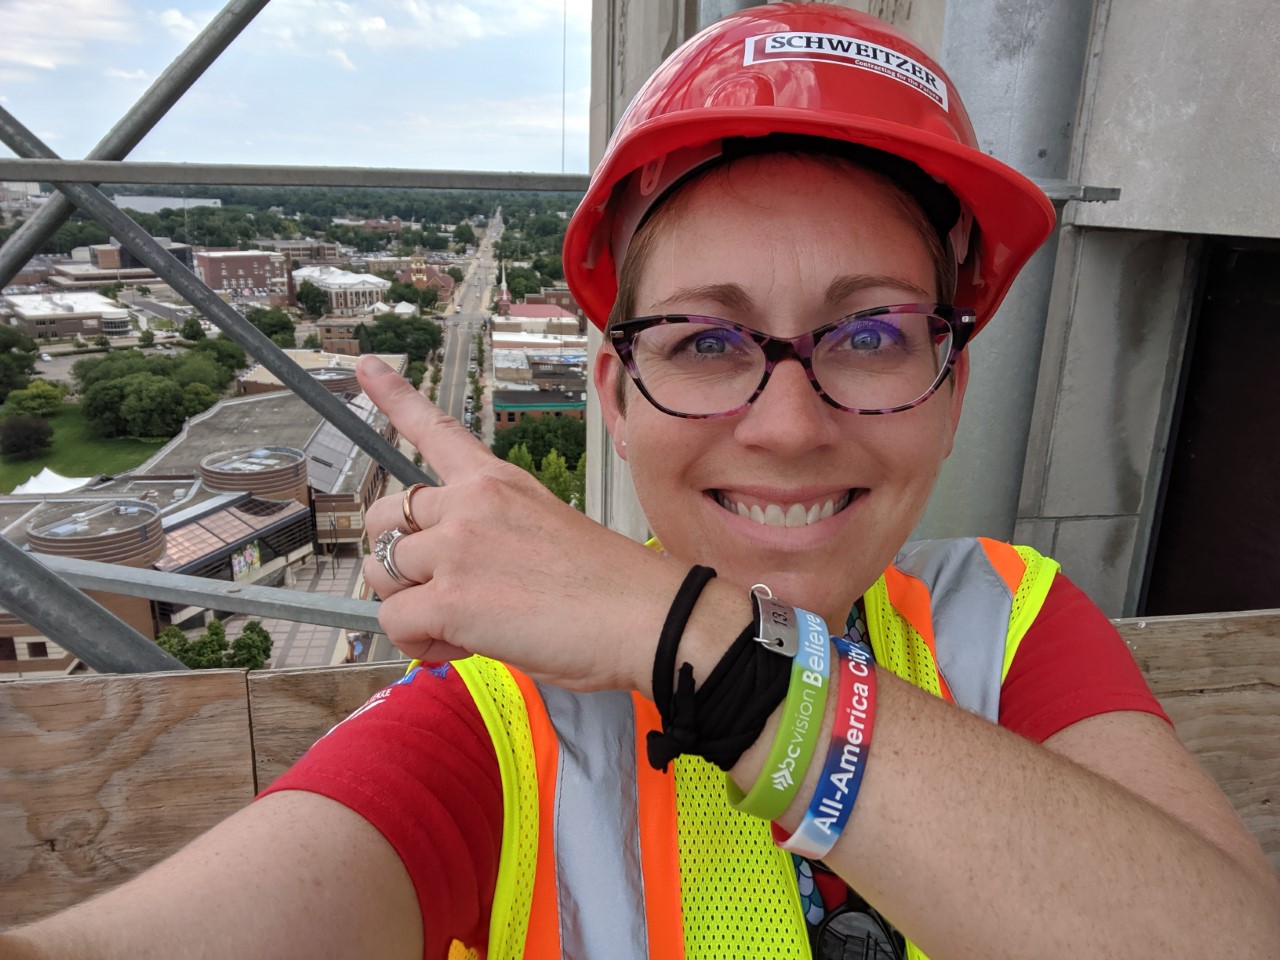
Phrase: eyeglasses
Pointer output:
(881, 360)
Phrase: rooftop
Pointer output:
(29, 305)
(540, 311)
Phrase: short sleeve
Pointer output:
(1071, 665)
(416, 762)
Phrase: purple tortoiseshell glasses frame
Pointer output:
(958, 321)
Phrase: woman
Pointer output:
(775, 240)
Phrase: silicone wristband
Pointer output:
(846, 755)
(797, 738)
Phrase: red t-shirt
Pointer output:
(417, 763)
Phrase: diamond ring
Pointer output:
(384, 553)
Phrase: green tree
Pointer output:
(201, 368)
(250, 650)
(192, 330)
(415, 371)
(144, 290)
(542, 435)
(463, 233)
(229, 354)
(519, 455)
(102, 341)
(208, 651)
(286, 341)
(197, 398)
(312, 299)
(146, 338)
(23, 437)
(101, 405)
(38, 399)
(456, 273)
(111, 290)
(153, 406)
(556, 476)
(580, 484)
(17, 360)
(311, 342)
(271, 322)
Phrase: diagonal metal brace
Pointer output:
(94, 202)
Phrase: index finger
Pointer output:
(449, 447)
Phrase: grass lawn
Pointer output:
(77, 453)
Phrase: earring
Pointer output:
(624, 444)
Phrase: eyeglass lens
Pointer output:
(865, 363)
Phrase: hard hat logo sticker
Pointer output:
(850, 52)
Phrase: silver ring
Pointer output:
(384, 552)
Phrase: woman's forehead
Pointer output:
(775, 221)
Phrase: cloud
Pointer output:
(40, 37)
(181, 25)
(139, 75)
(413, 24)
(343, 60)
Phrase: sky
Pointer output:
(433, 84)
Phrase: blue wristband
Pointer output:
(846, 755)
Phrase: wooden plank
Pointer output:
(292, 709)
(1218, 676)
(105, 775)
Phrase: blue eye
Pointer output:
(868, 335)
(710, 343)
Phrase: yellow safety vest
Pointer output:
(604, 857)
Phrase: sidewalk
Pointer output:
(308, 644)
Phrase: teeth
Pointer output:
(773, 515)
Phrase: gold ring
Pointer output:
(409, 522)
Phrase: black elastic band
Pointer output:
(723, 717)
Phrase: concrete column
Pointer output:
(1020, 65)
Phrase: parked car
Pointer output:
(45, 357)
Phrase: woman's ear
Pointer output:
(605, 375)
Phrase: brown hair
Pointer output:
(649, 232)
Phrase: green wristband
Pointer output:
(797, 738)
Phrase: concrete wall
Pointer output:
(1112, 354)
(1182, 117)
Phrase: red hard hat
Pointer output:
(817, 70)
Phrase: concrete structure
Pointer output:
(48, 316)
(245, 272)
(509, 405)
(304, 251)
(92, 266)
(539, 342)
(349, 293)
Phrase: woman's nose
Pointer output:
(788, 417)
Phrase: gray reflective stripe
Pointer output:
(971, 605)
(599, 880)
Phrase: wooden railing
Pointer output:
(102, 776)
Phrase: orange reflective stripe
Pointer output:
(1006, 562)
(910, 597)
(659, 849)
(542, 942)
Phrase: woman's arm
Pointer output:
(1106, 841)
(294, 875)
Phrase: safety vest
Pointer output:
(603, 856)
